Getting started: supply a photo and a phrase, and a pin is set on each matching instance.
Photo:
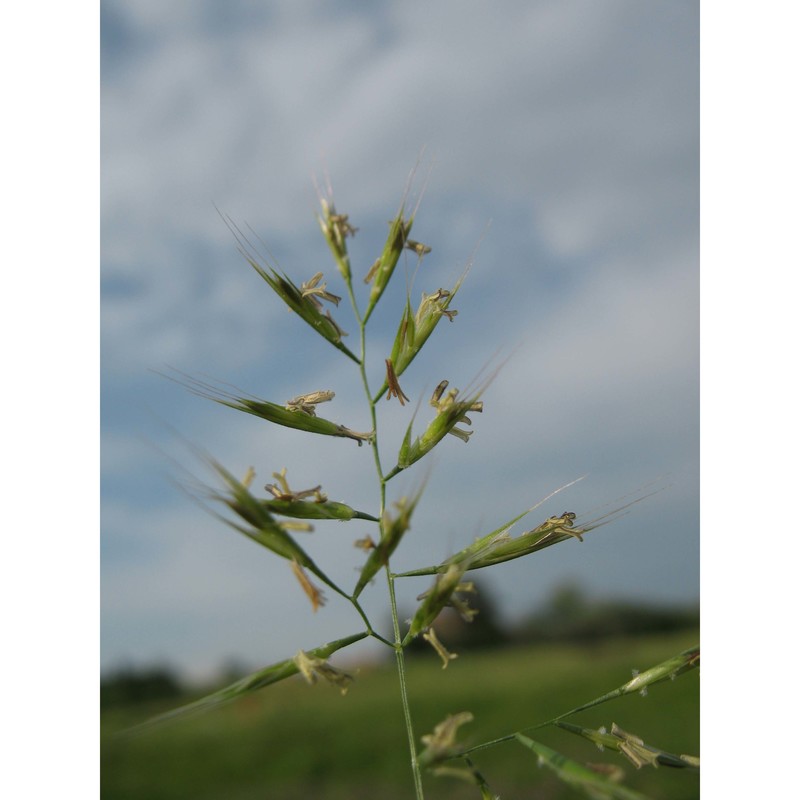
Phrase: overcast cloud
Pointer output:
(557, 145)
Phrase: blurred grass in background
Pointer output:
(297, 741)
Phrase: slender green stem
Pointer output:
(509, 737)
(401, 673)
(330, 584)
(370, 630)
(354, 602)
(376, 635)
(484, 745)
(362, 326)
(396, 645)
(372, 412)
(354, 304)
(374, 419)
(395, 471)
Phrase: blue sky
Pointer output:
(558, 150)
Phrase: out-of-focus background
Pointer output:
(552, 146)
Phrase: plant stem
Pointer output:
(401, 674)
(511, 736)
(370, 630)
(362, 368)
(397, 646)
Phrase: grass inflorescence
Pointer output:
(271, 519)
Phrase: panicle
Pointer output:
(450, 413)
(307, 503)
(381, 271)
(261, 526)
(416, 327)
(443, 593)
(441, 744)
(297, 413)
(313, 667)
(666, 670)
(631, 746)
(304, 300)
(393, 528)
(499, 546)
(336, 228)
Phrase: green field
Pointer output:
(292, 740)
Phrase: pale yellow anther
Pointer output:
(432, 639)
